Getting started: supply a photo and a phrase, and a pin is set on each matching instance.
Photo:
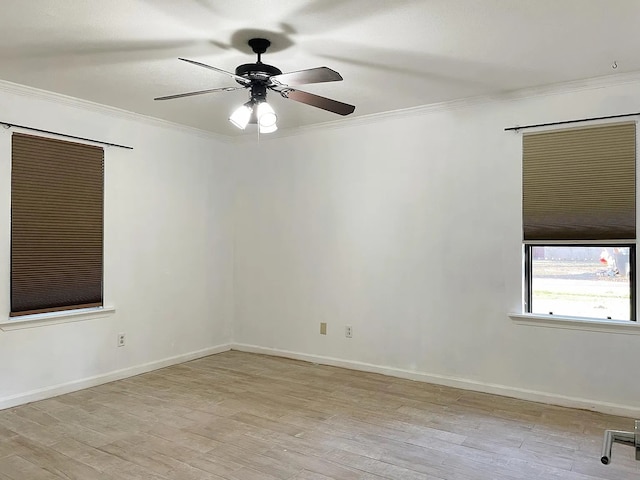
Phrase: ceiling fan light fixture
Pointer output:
(241, 116)
(266, 116)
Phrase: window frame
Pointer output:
(592, 221)
(528, 275)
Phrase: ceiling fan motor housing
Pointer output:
(257, 71)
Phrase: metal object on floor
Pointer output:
(617, 436)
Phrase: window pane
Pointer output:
(581, 281)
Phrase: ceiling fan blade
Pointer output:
(243, 80)
(199, 92)
(311, 75)
(318, 101)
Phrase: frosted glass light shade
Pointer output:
(240, 117)
(266, 116)
(269, 129)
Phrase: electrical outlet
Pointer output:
(348, 331)
(121, 339)
(323, 328)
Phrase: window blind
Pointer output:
(57, 198)
(580, 183)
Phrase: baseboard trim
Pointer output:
(462, 383)
(61, 389)
(465, 384)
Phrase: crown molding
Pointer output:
(61, 99)
(468, 102)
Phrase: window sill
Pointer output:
(53, 318)
(576, 323)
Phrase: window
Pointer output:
(579, 221)
(57, 191)
(582, 281)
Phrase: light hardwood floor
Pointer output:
(239, 416)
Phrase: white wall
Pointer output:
(408, 228)
(168, 251)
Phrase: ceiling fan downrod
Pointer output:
(259, 46)
(257, 71)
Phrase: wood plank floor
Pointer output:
(240, 416)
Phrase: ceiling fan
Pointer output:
(259, 77)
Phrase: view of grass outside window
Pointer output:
(581, 281)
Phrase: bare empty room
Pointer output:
(319, 240)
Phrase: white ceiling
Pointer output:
(393, 54)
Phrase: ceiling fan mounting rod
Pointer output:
(259, 46)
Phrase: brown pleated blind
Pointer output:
(57, 191)
(580, 183)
